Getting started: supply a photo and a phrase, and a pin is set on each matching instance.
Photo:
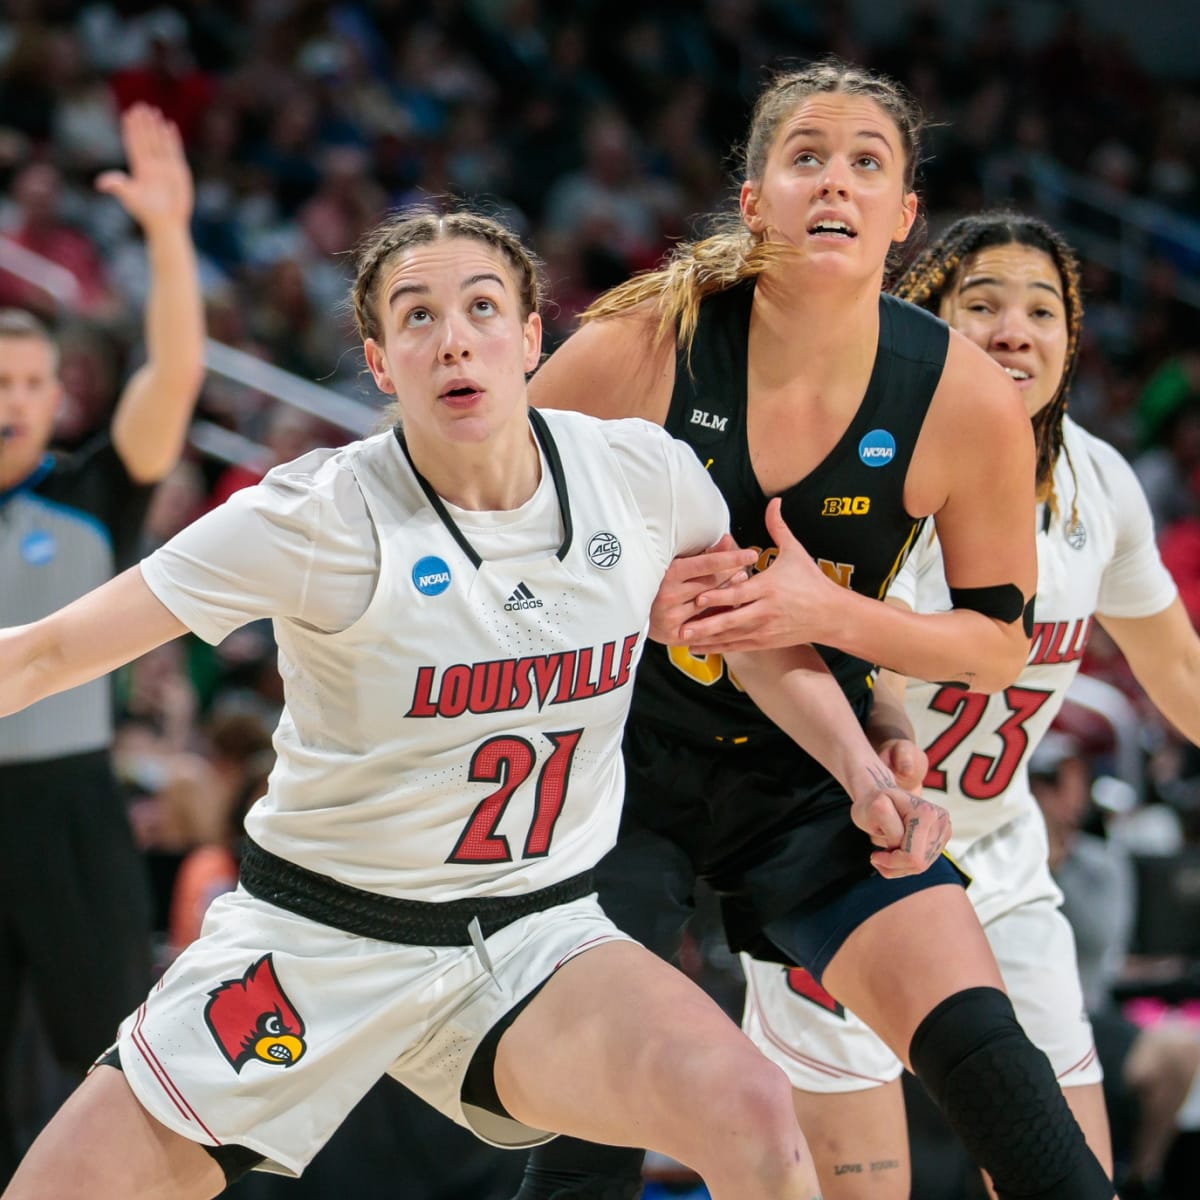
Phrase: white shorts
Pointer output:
(267, 1031)
(822, 1047)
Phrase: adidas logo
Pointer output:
(521, 598)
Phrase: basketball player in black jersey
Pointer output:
(847, 418)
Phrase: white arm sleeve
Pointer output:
(684, 511)
(300, 545)
(1135, 582)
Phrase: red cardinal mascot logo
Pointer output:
(803, 984)
(253, 1021)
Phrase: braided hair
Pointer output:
(732, 253)
(936, 271)
(415, 227)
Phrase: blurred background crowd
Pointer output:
(603, 131)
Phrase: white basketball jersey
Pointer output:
(1106, 561)
(463, 736)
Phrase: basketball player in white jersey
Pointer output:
(1011, 284)
(460, 605)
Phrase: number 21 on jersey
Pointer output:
(508, 761)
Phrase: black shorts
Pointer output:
(765, 827)
(74, 902)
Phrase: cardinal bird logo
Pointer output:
(253, 1021)
(803, 984)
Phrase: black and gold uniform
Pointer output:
(714, 789)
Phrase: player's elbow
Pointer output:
(1005, 661)
(26, 654)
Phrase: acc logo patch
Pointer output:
(877, 448)
(431, 575)
(604, 549)
(253, 1021)
(803, 984)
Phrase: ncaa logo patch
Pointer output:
(604, 549)
(38, 548)
(431, 575)
(1076, 533)
(877, 448)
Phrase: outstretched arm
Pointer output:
(796, 690)
(152, 415)
(97, 633)
(1164, 652)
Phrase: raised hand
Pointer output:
(686, 578)
(157, 188)
(786, 605)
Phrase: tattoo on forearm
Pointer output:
(879, 777)
(886, 1164)
(847, 1168)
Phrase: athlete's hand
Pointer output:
(157, 190)
(787, 605)
(909, 832)
(907, 762)
(687, 578)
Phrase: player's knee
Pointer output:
(762, 1091)
(751, 1099)
(999, 1093)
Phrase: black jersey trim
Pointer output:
(559, 478)
(542, 432)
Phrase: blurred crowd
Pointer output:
(604, 132)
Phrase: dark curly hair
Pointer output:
(936, 270)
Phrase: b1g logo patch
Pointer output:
(604, 550)
(252, 1020)
(877, 448)
(846, 506)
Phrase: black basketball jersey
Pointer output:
(848, 512)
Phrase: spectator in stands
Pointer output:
(1147, 1072)
(38, 226)
(74, 903)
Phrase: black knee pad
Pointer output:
(999, 1093)
(569, 1169)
